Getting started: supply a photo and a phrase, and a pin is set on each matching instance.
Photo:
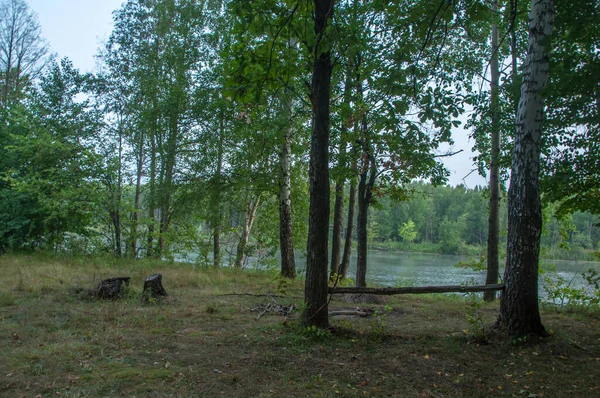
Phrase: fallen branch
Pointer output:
(258, 295)
(274, 307)
(350, 313)
(414, 289)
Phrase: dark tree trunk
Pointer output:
(361, 233)
(315, 291)
(286, 243)
(338, 207)
(365, 186)
(338, 225)
(494, 219)
(365, 193)
(519, 310)
(349, 230)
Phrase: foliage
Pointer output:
(408, 232)
(339, 280)
(561, 293)
(379, 323)
(474, 317)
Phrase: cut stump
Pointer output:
(110, 289)
(153, 288)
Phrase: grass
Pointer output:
(206, 342)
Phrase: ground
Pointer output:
(205, 340)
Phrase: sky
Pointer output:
(77, 28)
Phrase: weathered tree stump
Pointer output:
(110, 289)
(153, 288)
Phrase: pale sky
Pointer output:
(76, 29)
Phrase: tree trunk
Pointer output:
(365, 193)
(216, 197)
(494, 219)
(514, 56)
(338, 207)
(246, 228)
(349, 230)
(152, 196)
(286, 243)
(338, 225)
(315, 291)
(167, 185)
(519, 310)
(135, 219)
(361, 233)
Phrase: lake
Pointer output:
(424, 269)
(387, 268)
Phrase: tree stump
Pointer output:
(153, 288)
(110, 289)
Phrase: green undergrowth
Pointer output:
(208, 340)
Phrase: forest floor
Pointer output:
(205, 340)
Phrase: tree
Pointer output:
(22, 49)
(315, 291)
(409, 95)
(157, 58)
(572, 151)
(408, 232)
(494, 219)
(519, 310)
(55, 168)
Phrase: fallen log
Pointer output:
(389, 291)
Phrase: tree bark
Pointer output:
(338, 223)
(286, 242)
(514, 56)
(246, 229)
(135, 218)
(152, 196)
(494, 219)
(365, 194)
(315, 291)
(167, 183)
(519, 310)
(216, 196)
(338, 207)
(349, 230)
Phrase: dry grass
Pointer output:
(204, 343)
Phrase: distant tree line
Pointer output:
(453, 220)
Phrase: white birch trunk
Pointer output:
(519, 310)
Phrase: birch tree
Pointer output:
(519, 310)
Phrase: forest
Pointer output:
(227, 128)
(215, 134)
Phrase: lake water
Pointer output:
(423, 269)
(397, 269)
